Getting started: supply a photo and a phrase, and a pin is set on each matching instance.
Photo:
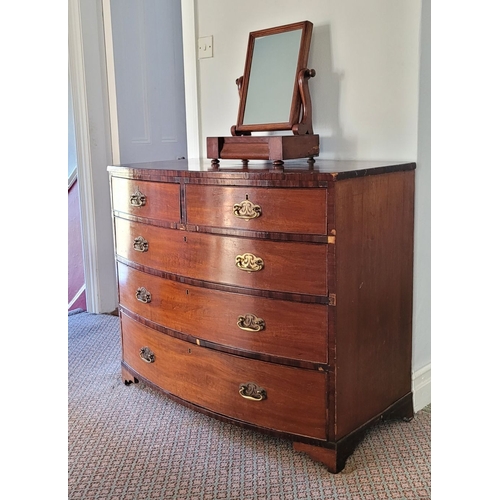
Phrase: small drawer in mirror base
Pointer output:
(276, 148)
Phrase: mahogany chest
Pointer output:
(275, 299)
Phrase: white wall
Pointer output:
(371, 99)
(365, 53)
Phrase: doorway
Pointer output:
(76, 275)
(101, 140)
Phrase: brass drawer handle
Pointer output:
(252, 391)
(138, 199)
(251, 323)
(247, 210)
(141, 244)
(142, 295)
(147, 355)
(249, 262)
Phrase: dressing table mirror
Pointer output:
(274, 96)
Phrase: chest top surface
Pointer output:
(323, 170)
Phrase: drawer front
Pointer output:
(261, 264)
(277, 327)
(154, 200)
(294, 398)
(258, 209)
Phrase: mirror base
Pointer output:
(275, 148)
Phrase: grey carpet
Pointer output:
(134, 443)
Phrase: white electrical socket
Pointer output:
(205, 47)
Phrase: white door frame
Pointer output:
(96, 133)
(84, 151)
(190, 52)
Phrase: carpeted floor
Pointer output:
(134, 443)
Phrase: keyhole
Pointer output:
(187, 292)
(185, 238)
(246, 196)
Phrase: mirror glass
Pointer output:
(272, 78)
(270, 97)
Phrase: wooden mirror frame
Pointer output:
(300, 95)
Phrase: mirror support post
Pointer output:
(305, 125)
(234, 131)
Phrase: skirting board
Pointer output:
(421, 382)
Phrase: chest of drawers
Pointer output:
(279, 300)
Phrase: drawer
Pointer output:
(258, 209)
(277, 327)
(155, 200)
(294, 398)
(263, 264)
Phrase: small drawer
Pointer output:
(260, 264)
(294, 210)
(273, 396)
(155, 200)
(277, 327)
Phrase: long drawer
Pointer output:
(261, 264)
(273, 396)
(155, 200)
(258, 209)
(277, 327)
